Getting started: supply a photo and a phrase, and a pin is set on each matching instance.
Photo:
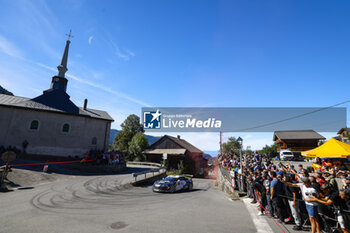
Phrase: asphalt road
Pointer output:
(109, 204)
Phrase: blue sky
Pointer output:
(129, 54)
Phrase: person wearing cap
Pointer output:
(307, 192)
(279, 175)
(329, 175)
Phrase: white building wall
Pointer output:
(49, 138)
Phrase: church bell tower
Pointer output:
(59, 81)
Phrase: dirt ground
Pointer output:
(20, 178)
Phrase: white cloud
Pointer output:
(108, 89)
(8, 48)
(39, 18)
(90, 39)
(131, 53)
(121, 54)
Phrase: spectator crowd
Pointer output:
(104, 158)
(298, 196)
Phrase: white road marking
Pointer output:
(260, 222)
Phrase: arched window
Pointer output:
(65, 128)
(94, 141)
(34, 125)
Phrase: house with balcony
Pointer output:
(297, 140)
(178, 149)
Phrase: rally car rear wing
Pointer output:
(188, 176)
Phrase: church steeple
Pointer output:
(59, 82)
(62, 68)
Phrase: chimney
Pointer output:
(178, 136)
(85, 104)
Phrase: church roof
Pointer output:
(53, 101)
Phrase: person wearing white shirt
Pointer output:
(307, 192)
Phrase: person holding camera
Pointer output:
(308, 192)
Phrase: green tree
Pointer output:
(248, 152)
(232, 146)
(181, 167)
(136, 147)
(270, 151)
(130, 127)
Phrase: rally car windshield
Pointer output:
(170, 179)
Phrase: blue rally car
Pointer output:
(171, 184)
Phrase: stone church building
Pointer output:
(51, 124)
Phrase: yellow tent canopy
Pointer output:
(330, 149)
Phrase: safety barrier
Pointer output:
(223, 182)
(154, 171)
(226, 174)
(145, 164)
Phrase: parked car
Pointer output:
(171, 184)
(298, 158)
(286, 155)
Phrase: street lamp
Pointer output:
(240, 142)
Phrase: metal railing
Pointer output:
(145, 164)
(225, 173)
(239, 183)
(154, 171)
